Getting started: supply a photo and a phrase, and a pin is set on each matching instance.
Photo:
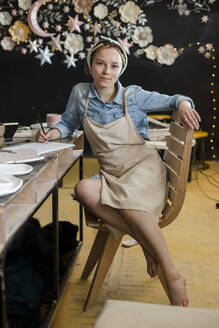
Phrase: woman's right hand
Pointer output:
(49, 135)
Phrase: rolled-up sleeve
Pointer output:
(70, 120)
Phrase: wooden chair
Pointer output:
(177, 160)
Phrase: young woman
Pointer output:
(130, 192)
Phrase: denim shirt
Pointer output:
(139, 102)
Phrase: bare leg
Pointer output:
(152, 265)
(109, 215)
(142, 227)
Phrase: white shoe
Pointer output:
(129, 243)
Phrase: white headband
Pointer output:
(109, 40)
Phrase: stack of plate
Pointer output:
(9, 183)
(2, 131)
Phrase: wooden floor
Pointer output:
(193, 241)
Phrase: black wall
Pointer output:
(25, 84)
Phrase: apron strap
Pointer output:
(124, 103)
(87, 102)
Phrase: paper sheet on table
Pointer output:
(42, 148)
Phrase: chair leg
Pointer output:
(103, 266)
(95, 253)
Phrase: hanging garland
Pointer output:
(70, 27)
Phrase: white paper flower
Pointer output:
(5, 18)
(7, 44)
(100, 11)
(142, 36)
(167, 54)
(24, 4)
(129, 12)
(74, 43)
(151, 52)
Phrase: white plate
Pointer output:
(15, 169)
(29, 160)
(37, 126)
(9, 184)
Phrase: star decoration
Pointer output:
(82, 55)
(66, 9)
(209, 46)
(58, 28)
(14, 12)
(87, 27)
(117, 24)
(201, 50)
(187, 12)
(207, 55)
(124, 43)
(124, 30)
(70, 61)
(55, 43)
(204, 19)
(74, 24)
(23, 51)
(45, 24)
(89, 39)
(33, 46)
(95, 28)
(44, 56)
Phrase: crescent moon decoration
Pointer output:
(32, 19)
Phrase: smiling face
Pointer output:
(106, 67)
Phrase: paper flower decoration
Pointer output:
(129, 12)
(151, 52)
(142, 36)
(74, 43)
(24, 4)
(83, 6)
(7, 44)
(5, 18)
(167, 54)
(73, 26)
(19, 32)
(100, 11)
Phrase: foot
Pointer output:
(152, 265)
(176, 286)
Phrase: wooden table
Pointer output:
(16, 208)
(161, 117)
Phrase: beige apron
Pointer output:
(133, 175)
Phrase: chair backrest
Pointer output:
(177, 159)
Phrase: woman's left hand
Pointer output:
(189, 115)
